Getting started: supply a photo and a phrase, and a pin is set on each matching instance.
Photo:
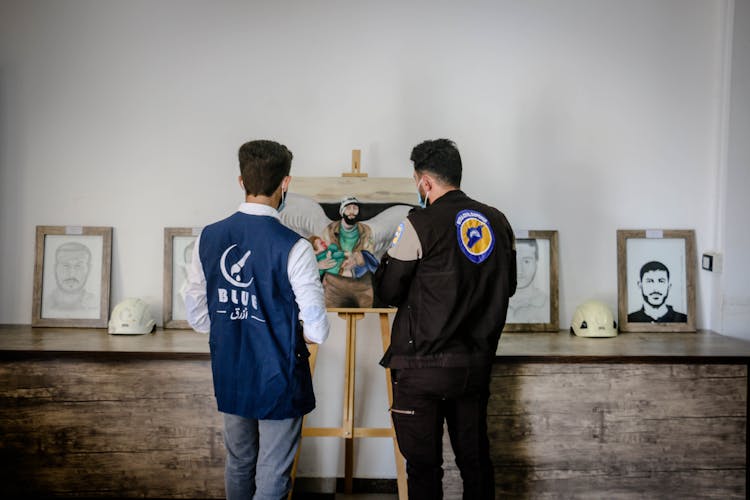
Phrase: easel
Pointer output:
(347, 430)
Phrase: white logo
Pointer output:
(233, 276)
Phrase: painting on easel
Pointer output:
(350, 222)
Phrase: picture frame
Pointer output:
(178, 245)
(535, 307)
(72, 272)
(656, 276)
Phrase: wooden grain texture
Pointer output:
(615, 431)
(117, 429)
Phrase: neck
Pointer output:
(655, 312)
(272, 201)
(437, 192)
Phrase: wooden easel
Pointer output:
(347, 430)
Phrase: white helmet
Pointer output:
(131, 316)
(349, 200)
(593, 319)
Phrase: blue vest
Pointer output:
(259, 358)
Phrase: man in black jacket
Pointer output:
(450, 270)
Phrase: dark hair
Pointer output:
(440, 158)
(653, 266)
(263, 165)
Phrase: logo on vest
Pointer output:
(475, 235)
(237, 300)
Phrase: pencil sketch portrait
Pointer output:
(72, 276)
(531, 302)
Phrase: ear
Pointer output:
(242, 184)
(285, 182)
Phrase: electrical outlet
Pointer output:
(711, 261)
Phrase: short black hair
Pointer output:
(263, 165)
(441, 158)
(654, 265)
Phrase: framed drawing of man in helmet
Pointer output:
(535, 305)
(350, 223)
(72, 276)
(656, 280)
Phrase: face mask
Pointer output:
(282, 204)
(423, 202)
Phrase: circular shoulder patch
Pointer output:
(475, 235)
(397, 236)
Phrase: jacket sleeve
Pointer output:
(395, 273)
(392, 280)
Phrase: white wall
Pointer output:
(583, 116)
(734, 305)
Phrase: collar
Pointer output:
(450, 194)
(258, 209)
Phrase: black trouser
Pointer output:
(422, 399)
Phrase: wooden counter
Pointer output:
(542, 347)
(88, 414)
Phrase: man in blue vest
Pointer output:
(253, 285)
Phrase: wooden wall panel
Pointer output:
(78, 427)
(110, 429)
(615, 431)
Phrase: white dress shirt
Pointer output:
(302, 269)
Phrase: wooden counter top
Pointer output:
(556, 347)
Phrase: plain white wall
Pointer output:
(734, 305)
(583, 116)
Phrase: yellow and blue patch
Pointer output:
(475, 235)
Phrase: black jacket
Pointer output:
(453, 296)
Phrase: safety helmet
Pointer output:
(593, 319)
(131, 316)
(349, 200)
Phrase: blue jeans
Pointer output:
(260, 454)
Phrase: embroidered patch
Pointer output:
(397, 235)
(475, 235)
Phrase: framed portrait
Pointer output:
(656, 280)
(535, 305)
(179, 243)
(72, 271)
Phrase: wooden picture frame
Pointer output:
(663, 261)
(72, 271)
(535, 307)
(178, 244)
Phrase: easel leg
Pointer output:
(385, 334)
(313, 348)
(349, 379)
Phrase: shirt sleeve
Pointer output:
(196, 304)
(308, 291)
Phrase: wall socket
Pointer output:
(712, 261)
